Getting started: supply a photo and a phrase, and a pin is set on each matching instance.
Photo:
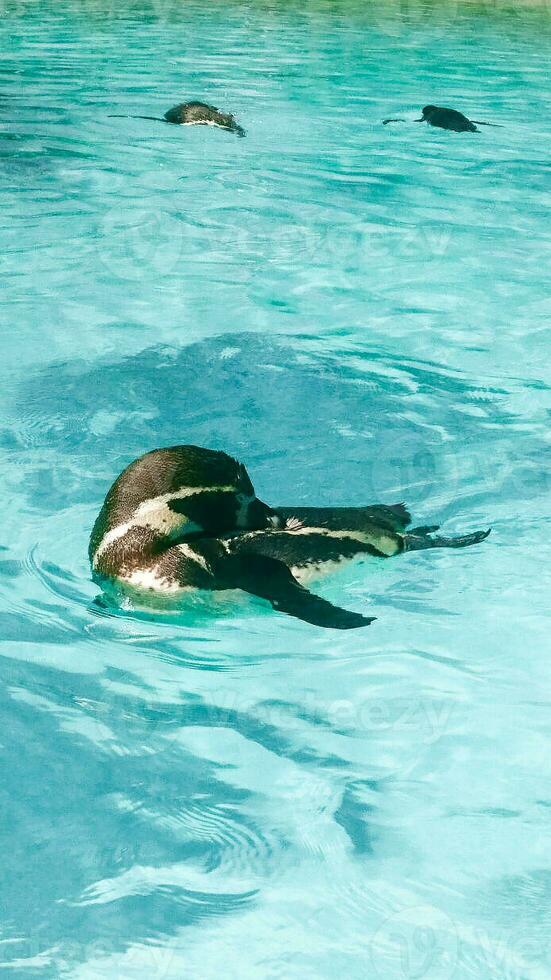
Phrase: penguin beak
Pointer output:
(260, 516)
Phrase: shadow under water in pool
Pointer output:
(312, 425)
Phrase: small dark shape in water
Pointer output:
(194, 114)
(201, 114)
(446, 119)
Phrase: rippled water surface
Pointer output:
(360, 313)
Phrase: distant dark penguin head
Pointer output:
(228, 121)
(428, 111)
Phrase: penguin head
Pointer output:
(427, 111)
(178, 492)
(227, 121)
(217, 510)
(258, 517)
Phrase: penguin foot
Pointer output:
(422, 540)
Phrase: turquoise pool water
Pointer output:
(360, 313)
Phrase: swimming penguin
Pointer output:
(446, 119)
(194, 114)
(188, 518)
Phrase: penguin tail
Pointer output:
(421, 538)
(480, 122)
(273, 580)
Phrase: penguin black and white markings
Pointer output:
(444, 118)
(325, 537)
(202, 114)
(188, 518)
(168, 496)
(193, 114)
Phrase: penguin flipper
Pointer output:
(393, 517)
(273, 580)
(422, 540)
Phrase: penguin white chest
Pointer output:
(313, 571)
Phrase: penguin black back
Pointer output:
(202, 114)
(444, 118)
(194, 114)
(447, 119)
